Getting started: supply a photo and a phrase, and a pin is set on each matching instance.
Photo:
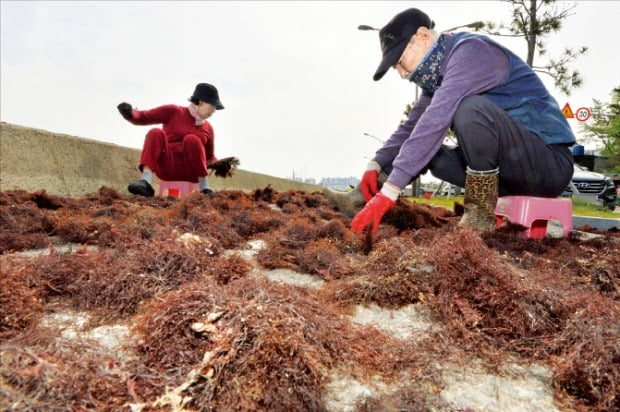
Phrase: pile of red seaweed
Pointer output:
(205, 331)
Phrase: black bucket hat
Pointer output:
(395, 35)
(207, 93)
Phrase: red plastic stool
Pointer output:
(177, 188)
(534, 213)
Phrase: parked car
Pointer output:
(452, 190)
(592, 187)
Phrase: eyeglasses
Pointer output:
(400, 60)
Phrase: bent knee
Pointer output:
(156, 133)
(192, 140)
(469, 109)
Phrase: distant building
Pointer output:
(340, 183)
(309, 180)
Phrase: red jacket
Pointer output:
(177, 122)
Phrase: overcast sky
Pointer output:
(295, 77)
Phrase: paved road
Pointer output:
(598, 222)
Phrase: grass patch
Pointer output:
(580, 208)
(443, 201)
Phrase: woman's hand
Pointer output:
(224, 167)
(125, 110)
(372, 213)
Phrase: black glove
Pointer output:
(224, 167)
(125, 110)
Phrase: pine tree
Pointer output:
(534, 20)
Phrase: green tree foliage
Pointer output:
(604, 127)
(534, 20)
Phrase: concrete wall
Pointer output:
(33, 159)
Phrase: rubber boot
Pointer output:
(480, 199)
(349, 203)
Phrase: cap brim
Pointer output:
(390, 59)
(216, 102)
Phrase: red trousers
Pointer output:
(185, 161)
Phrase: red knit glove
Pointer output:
(372, 213)
(368, 185)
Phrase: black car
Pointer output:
(592, 187)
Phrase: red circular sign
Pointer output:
(582, 114)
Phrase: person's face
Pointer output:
(205, 110)
(414, 52)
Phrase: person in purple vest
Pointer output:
(512, 138)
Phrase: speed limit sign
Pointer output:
(582, 114)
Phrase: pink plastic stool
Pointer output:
(534, 213)
(177, 188)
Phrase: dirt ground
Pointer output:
(267, 301)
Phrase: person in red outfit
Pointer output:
(183, 148)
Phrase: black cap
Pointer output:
(395, 35)
(207, 93)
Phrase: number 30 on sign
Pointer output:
(582, 114)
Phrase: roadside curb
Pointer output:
(596, 222)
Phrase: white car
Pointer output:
(452, 190)
(592, 187)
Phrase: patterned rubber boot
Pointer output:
(480, 199)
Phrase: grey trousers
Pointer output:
(488, 138)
